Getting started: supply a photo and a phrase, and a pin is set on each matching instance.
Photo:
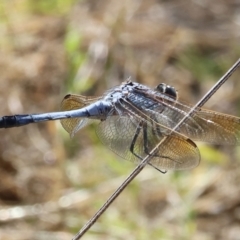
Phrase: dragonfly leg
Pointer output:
(146, 148)
(161, 171)
(139, 127)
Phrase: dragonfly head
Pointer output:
(166, 89)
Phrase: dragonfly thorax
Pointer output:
(123, 91)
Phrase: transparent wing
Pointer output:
(71, 102)
(118, 132)
(204, 125)
(218, 128)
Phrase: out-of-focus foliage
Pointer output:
(51, 184)
(52, 7)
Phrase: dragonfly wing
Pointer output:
(177, 153)
(218, 128)
(71, 102)
(204, 125)
(117, 133)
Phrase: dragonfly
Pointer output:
(133, 118)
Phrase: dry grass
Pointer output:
(51, 184)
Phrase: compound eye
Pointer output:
(166, 89)
(161, 88)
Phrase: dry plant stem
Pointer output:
(143, 163)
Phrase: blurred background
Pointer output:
(50, 184)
